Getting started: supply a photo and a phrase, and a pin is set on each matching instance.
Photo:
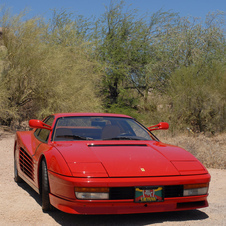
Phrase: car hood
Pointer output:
(127, 159)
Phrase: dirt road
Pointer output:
(20, 205)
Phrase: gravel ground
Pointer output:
(20, 205)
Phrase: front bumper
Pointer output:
(62, 195)
(127, 207)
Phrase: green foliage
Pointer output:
(196, 99)
(115, 108)
(41, 76)
(157, 68)
(128, 46)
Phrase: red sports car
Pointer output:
(91, 163)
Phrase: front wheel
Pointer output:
(46, 206)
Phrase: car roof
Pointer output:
(59, 115)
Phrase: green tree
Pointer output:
(129, 50)
(41, 76)
(197, 102)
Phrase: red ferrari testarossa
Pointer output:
(92, 163)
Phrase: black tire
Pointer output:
(17, 178)
(46, 206)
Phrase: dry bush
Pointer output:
(211, 151)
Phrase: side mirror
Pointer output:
(161, 125)
(35, 123)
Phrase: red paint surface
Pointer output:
(111, 163)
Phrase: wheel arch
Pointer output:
(55, 163)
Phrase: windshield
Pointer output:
(99, 128)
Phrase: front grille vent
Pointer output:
(26, 164)
(174, 191)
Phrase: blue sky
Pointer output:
(87, 8)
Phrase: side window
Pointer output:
(37, 131)
(43, 134)
(49, 120)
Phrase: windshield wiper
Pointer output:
(76, 137)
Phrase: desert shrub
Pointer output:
(209, 150)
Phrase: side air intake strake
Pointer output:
(26, 164)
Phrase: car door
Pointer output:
(41, 145)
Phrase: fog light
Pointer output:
(195, 189)
(91, 193)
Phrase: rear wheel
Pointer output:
(17, 178)
(46, 206)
